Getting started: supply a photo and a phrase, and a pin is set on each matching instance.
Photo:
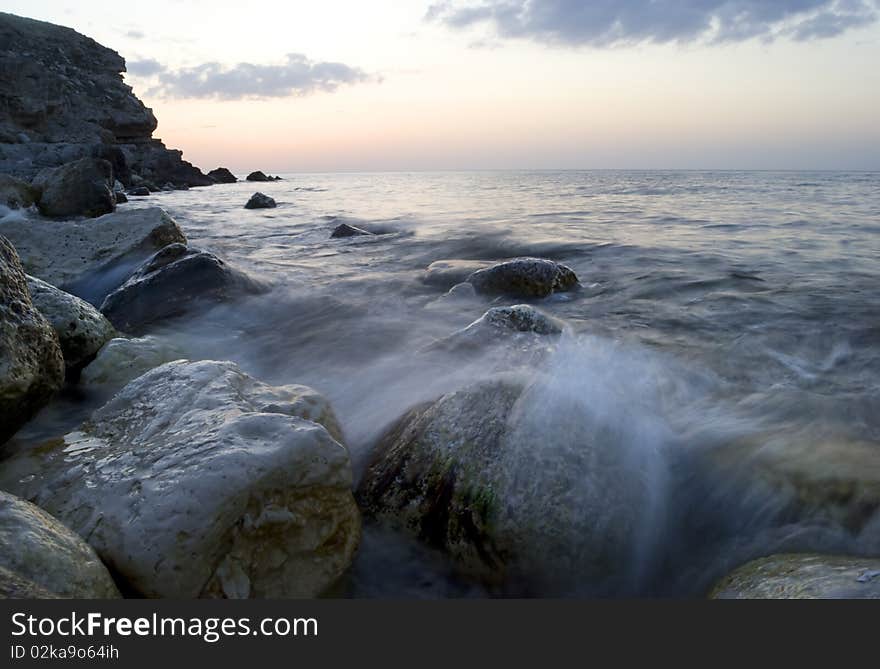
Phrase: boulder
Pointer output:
(448, 273)
(139, 191)
(37, 549)
(222, 176)
(83, 187)
(522, 482)
(91, 258)
(121, 197)
(524, 277)
(175, 280)
(507, 326)
(260, 201)
(197, 480)
(803, 576)
(16, 194)
(257, 176)
(346, 230)
(81, 328)
(31, 366)
(121, 360)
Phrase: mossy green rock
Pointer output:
(803, 576)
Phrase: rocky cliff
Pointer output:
(62, 97)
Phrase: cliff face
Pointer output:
(62, 97)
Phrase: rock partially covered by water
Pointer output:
(522, 483)
(139, 191)
(260, 176)
(449, 273)
(346, 230)
(803, 576)
(15, 193)
(83, 187)
(31, 366)
(37, 549)
(524, 277)
(81, 328)
(499, 325)
(222, 176)
(260, 201)
(91, 258)
(197, 480)
(122, 360)
(175, 280)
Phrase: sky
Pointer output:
(500, 84)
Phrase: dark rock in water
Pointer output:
(121, 197)
(346, 230)
(174, 281)
(81, 188)
(803, 576)
(63, 98)
(139, 191)
(222, 176)
(524, 277)
(16, 194)
(257, 176)
(449, 273)
(260, 201)
(500, 326)
(30, 357)
(81, 329)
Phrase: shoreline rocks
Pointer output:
(260, 201)
(346, 230)
(17, 194)
(31, 364)
(83, 187)
(524, 277)
(40, 554)
(260, 176)
(121, 360)
(222, 176)
(197, 480)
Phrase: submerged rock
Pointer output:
(40, 557)
(139, 191)
(260, 201)
(521, 483)
(197, 480)
(499, 325)
(172, 282)
(449, 273)
(81, 328)
(83, 187)
(803, 576)
(91, 258)
(16, 194)
(222, 176)
(122, 360)
(346, 230)
(524, 277)
(31, 366)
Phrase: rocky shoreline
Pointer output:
(196, 479)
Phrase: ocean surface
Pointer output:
(728, 326)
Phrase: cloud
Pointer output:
(602, 23)
(144, 68)
(296, 76)
(134, 34)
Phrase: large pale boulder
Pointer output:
(91, 258)
(197, 480)
(82, 330)
(83, 187)
(122, 360)
(16, 194)
(522, 482)
(36, 548)
(524, 277)
(172, 282)
(31, 366)
(803, 576)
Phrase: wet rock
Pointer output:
(197, 480)
(41, 557)
(257, 176)
(31, 366)
(521, 483)
(91, 258)
(260, 201)
(502, 325)
(16, 194)
(139, 191)
(121, 360)
(121, 197)
(449, 273)
(222, 176)
(346, 230)
(175, 280)
(81, 328)
(524, 277)
(81, 188)
(803, 576)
